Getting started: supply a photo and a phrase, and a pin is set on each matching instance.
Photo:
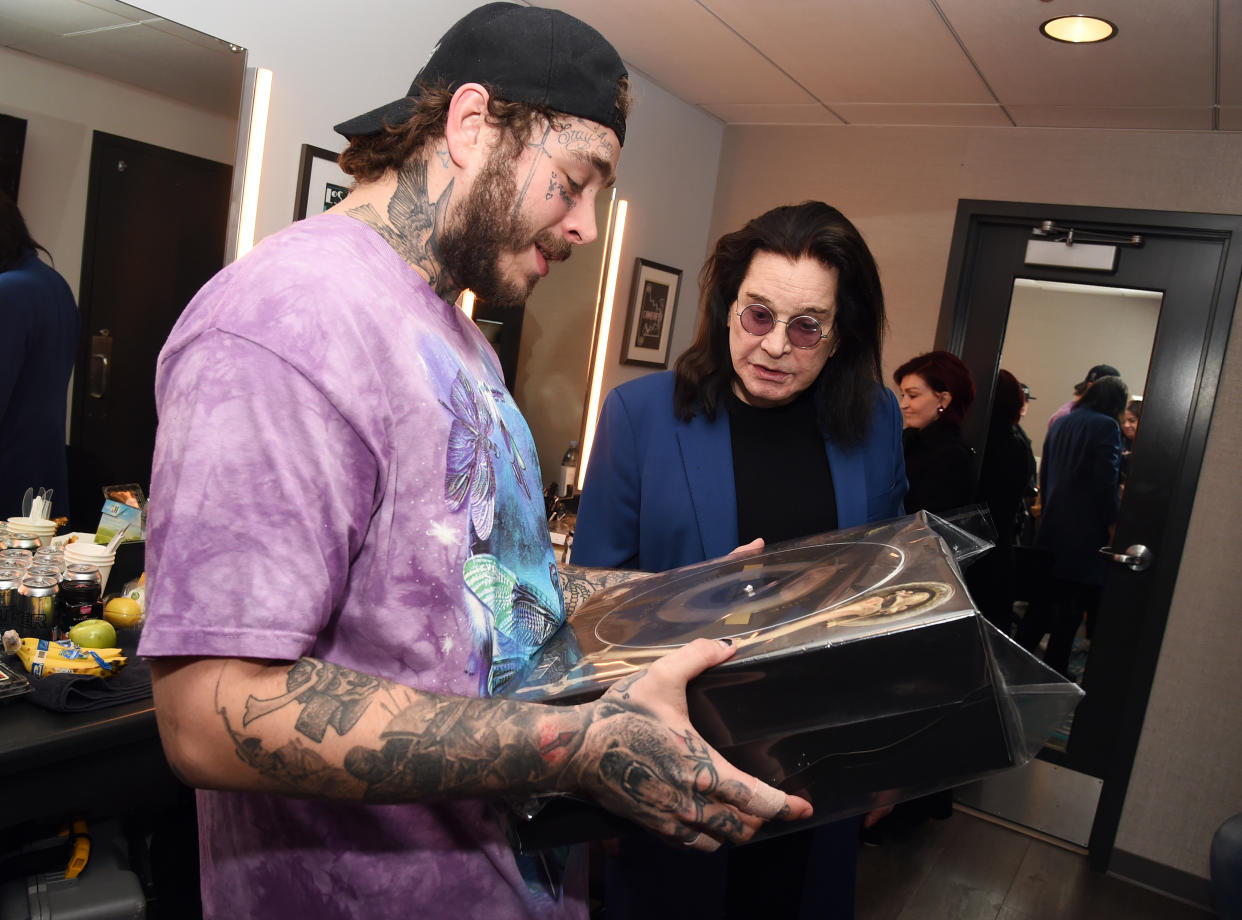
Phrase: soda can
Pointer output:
(37, 604)
(79, 596)
(28, 541)
(10, 606)
(22, 558)
(41, 568)
(53, 555)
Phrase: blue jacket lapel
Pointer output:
(849, 482)
(707, 455)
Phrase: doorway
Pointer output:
(155, 233)
(1186, 266)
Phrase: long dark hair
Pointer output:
(846, 388)
(1108, 395)
(15, 239)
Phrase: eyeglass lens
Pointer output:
(803, 331)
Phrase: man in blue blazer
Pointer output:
(774, 425)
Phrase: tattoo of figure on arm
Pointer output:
(578, 582)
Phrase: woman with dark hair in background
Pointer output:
(1006, 480)
(775, 424)
(38, 342)
(1129, 430)
(936, 390)
(1078, 481)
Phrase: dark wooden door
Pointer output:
(155, 232)
(1194, 262)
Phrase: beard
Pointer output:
(489, 225)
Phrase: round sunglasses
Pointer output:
(802, 331)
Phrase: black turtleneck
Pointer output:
(780, 470)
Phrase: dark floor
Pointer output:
(966, 868)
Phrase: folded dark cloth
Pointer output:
(84, 692)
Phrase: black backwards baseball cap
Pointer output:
(525, 54)
(1100, 370)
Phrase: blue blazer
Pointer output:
(659, 492)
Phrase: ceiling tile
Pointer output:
(764, 114)
(893, 51)
(687, 51)
(1132, 117)
(961, 115)
(1230, 52)
(1231, 118)
(1161, 56)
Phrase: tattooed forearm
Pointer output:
(579, 582)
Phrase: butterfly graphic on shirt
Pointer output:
(492, 394)
(470, 475)
(523, 622)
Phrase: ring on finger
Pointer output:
(691, 841)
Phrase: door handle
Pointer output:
(101, 358)
(1137, 557)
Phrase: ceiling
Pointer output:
(1174, 64)
(124, 43)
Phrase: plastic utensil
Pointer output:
(27, 501)
(116, 539)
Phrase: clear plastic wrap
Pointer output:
(863, 674)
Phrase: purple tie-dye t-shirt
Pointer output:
(340, 473)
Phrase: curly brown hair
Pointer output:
(369, 156)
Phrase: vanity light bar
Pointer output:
(257, 96)
(617, 221)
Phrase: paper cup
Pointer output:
(92, 554)
(40, 527)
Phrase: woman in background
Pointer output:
(1006, 481)
(936, 391)
(37, 349)
(1129, 430)
(773, 425)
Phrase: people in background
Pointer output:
(936, 390)
(38, 344)
(1129, 429)
(1079, 475)
(774, 424)
(326, 653)
(1006, 482)
(1098, 371)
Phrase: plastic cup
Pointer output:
(40, 527)
(92, 554)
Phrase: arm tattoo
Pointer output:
(579, 582)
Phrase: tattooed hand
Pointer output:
(641, 759)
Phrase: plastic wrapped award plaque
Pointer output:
(863, 674)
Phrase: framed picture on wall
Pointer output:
(649, 324)
(321, 184)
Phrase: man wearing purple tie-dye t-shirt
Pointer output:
(348, 559)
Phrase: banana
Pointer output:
(45, 656)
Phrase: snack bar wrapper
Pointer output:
(863, 674)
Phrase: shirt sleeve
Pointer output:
(249, 455)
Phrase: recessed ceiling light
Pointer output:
(1078, 29)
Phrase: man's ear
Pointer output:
(467, 132)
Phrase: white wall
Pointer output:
(63, 106)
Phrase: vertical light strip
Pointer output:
(601, 344)
(467, 303)
(254, 161)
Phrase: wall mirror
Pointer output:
(124, 112)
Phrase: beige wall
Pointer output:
(63, 106)
(901, 186)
